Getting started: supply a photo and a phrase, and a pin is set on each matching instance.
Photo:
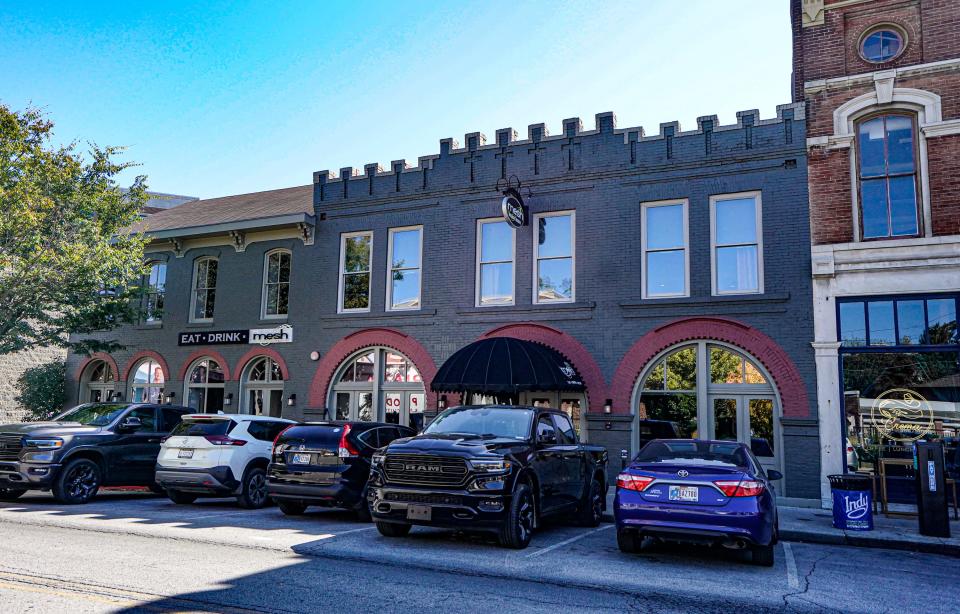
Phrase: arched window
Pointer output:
(153, 288)
(378, 384)
(147, 383)
(204, 294)
(276, 284)
(887, 172)
(97, 384)
(262, 388)
(204, 386)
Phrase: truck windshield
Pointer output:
(93, 414)
(484, 421)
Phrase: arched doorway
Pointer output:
(378, 384)
(204, 386)
(712, 390)
(262, 388)
(146, 383)
(97, 382)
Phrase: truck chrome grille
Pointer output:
(10, 446)
(424, 470)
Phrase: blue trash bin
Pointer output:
(852, 502)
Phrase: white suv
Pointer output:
(219, 455)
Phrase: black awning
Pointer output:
(504, 365)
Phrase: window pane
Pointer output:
(881, 322)
(214, 373)
(496, 284)
(682, 369)
(942, 319)
(496, 242)
(395, 368)
(872, 47)
(903, 205)
(873, 201)
(853, 325)
(665, 273)
(680, 409)
(356, 288)
(406, 249)
(284, 274)
(665, 227)
(737, 269)
(654, 379)
(726, 367)
(142, 376)
(555, 280)
(357, 256)
(761, 427)
(283, 299)
(871, 152)
(208, 309)
(910, 322)
(736, 221)
(273, 268)
(555, 236)
(211, 273)
(348, 374)
(343, 405)
(899, 144)
(272, 307)
(725, 419)
(364, 368)
(752, 374)
(405, 291)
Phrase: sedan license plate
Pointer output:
(185, 454)
(301, 459)
(419, 512)
(684, 493)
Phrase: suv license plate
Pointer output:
(684, 493)
(301, 459)
(185, 454)
(419, 512)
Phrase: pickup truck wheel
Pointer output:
(9, 494)
(254, 494)
(392, 529)
(628, 541)
(590, 512)
(181, 498)
(78, 482)
(291, 508)
(517, 530)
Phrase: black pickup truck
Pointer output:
(494, 468)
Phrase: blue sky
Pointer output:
(220, 98)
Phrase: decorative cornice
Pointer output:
(835, 83)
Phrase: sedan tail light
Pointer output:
(347, 449)
(628, 481)
(279, 435)
(740, 488)
(223, 440)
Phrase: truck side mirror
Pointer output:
(130, 423)
(547, 438)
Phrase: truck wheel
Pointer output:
(9, 494)
(291, 508)
(392, 529)
(181, 498)
(762, 555)
(628, 541)
(517, 530)
(254, 494)
(78, 482)
(590, 512)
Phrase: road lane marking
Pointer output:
(353, 531)
(792, 580)
(567, 541)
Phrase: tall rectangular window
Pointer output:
(355, 255)
(554, 269)
(276, 284)
(737, 243)
(888, 177)
(153, 288)
(204, 289)
(404, 277)
(496, 252)
(665, 259)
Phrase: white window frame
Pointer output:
(758, 211)
(343, 254)
(535, 280)
(513, 262)
(644, 207)
(263, 291)
(389, 293)
(145, 291)
(193, 289)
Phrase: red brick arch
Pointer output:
(569, 347)
(142, 354)
(257, 353)
(793, 392)
(341, 350)
(205, 354)
(107, 358)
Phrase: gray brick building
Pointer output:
(671, 271)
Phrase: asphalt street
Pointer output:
(130, 553)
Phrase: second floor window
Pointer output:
(495, 259)
(403, 285)
(204, 289)
(153, 288)
(888, 177)
(554, 257)
(664, 246)
(276, 284)
(355, 256)
(737, 243)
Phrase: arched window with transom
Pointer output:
(378, 384)
(146, 383)
(204, 386)
(262, 388)
(97, 383)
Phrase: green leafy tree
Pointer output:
(42, 390)
(68, 264)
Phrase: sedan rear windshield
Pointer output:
(694, 453)
(93, 414)
(203, 428)
(484, 422)
(315, 436)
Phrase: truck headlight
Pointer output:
(491, 466)
(377, 460)
(43, 443)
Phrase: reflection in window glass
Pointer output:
(554, 256)
(355, 273)
(655, 379)
(153, 290)
(942, 317)
(736, 240)
(496, 263)
(887, 171)
(752, 374)
(682, 369)
(665, 243)
(853, 324)
(910, 322)
(881, 46)
(276, 284)
(761, 427)
(204, 288)
(880, 314)
(725, 419)
(679, 408)
(726, 367)
(405, 269)
(148, 383)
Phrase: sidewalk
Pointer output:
(814, 525)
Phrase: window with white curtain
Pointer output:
(737, 243)
(496, 252)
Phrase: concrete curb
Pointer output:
(866, 540)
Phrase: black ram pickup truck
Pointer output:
(495, 468)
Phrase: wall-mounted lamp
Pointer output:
(442, 402)
(291, 400)
(228, 400)
(314, 356)
(608, 406)
(170, 397)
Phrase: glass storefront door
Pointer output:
(747, 419)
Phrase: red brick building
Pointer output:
(881, 83)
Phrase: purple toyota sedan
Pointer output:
(707, 492)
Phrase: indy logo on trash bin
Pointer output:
(902, 415)
(856, 508)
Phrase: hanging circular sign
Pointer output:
(514, 211)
